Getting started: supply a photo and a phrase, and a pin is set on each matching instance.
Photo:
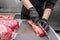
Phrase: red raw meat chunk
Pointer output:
(6, 16)
(36, 29)
(13, 24)
(5, 32)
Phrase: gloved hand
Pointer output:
(33, 15)
(44, 24)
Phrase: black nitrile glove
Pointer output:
(35, 18)
(44, 24)
(33, 15)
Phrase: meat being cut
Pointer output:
(36, 29)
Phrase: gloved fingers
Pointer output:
(33, 12)
(46, 27)
(44, 24)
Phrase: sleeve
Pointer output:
(50, 4)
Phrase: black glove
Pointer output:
(33, 14)
(44, 24)
(35, 18)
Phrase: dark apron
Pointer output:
(37, 4)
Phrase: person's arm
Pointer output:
(48, 8)
(33, 14)
(27, 4)
(47, 13)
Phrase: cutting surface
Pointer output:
(25, 32)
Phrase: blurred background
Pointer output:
(14, 6)
(10, 6)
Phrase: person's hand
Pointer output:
(33, 14)
(44, 24)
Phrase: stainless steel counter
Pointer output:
(25, 32)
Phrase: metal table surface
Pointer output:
(25, 32)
